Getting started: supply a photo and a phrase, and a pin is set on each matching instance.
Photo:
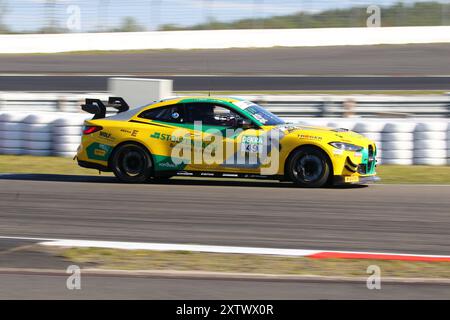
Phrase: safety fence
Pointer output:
(422, 141)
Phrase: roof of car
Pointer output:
(201, 98)
(130, 113)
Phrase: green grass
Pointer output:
(414, 174)
(57, 165)
(32, 164)
(245, 263)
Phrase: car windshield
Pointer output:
(259, 113)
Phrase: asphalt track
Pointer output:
(27, 286)
(389, 218)
(95, 83)
(384, 67)
(393, 218)
(387, 60)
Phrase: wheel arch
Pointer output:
(291, 153)
(111, 156)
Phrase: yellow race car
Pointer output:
(219, 137)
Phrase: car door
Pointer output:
(215, 125)
(163, 134)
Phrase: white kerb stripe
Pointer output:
(178, 247)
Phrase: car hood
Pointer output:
(327, 133)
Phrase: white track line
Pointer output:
(177, 247)
(228, 249)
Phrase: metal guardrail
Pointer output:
(364, 106)
(430, 106)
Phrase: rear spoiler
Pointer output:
(98, 108)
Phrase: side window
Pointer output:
(211, 114)
(173, 113)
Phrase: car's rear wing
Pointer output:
(98, 108)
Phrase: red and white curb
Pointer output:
(314, 254)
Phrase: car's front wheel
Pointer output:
(132, 163)
(309, 167)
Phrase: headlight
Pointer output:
(346, 146)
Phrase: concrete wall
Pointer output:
(216, 39)
(138, 92)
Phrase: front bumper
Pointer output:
(355, 179)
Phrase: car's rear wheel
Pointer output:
(309, 167)
(132, 163)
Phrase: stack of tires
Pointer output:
(397, 140)
(430, 143)
(448, 144)
(67, 135)
(12, 133)
(38, 134)
(372, 130)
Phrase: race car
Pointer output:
(219, 137)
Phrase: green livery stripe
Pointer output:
(152, 123)
(99, 151)
(190, 126)
(165, 163)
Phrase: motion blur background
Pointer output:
(50, 16)
(314, 62)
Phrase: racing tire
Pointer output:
(397, 154)
(132, 163)
(37, 128)
(68, 131)
(430, 135)
(430, 161)
(13, 117)
(397, 136)
(12, 144)
(67, 139)
(77, 120)
(40, 153)
(400, 126)
(430, 144)
(375, 136)
(11, 135)
(12, 126)
(65, 147)
(37, 136)
(402, 162)
(65, 154)
(309, 167)
(432, 126)
(13, 151)
(369, 126)
(430, 153)
(398, 145)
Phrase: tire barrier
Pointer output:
(67, 135)
(448, 145)
(431, 139)
(40, 134)
(399, 141)
(12, 130)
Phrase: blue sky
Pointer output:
(33, 14)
